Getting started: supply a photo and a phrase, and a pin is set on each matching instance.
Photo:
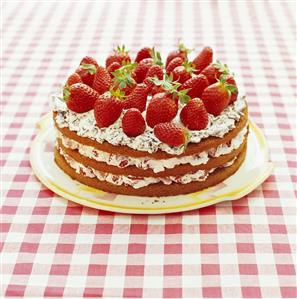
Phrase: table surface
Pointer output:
(52, 247)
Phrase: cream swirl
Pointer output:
(147, 162)
(137, 182)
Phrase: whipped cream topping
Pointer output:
(84, 125)
(148, 163)
(133, 181)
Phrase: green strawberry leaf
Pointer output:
(123, 75)
(187, 136)
(183, 48)
(167, 85)
(117, 93)
(229, 87)
(121, 49)
(223, 68)
(189, 66)
(182, 96)
(125, 69)
(157, 59)
(172, 87)
(169, 77)
(91, 68)
(66, 93)
(128, 66)
(155, 80)
(232, 88)
(122, 85)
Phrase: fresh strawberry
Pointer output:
(196, 86)
(180, 74)
(80, 97)
(214, 71)
(171, 134)
(113, 67)
(230, 80)
(107, 110)
(143, 53)
(133, 123)
(142, 69)
(175, 62)
(119, 55)
(87, 69)
(216, 97)
(87, 73)
(203, 59)
(137, 98)
(181, 52)
(194, 115)
(89, 60)
(155, 71)
(144, 65)
(102, 80)
(162, 108)
(183, 72)
(72, 79)
(157, 89)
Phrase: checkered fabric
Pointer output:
(53, 247)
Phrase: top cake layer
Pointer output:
(151, 107)
(84, 125)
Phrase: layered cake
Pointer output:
(147, 128)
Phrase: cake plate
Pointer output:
(253, 172)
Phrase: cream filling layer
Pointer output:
(137, 182)
(148, 163)
(84, 125)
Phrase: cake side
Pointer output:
(211, 162)
(156, 189)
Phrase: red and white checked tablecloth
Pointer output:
(52, 247)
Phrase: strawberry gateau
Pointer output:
(141, 127)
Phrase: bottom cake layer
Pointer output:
(159, 189)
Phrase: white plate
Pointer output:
(249, 176)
